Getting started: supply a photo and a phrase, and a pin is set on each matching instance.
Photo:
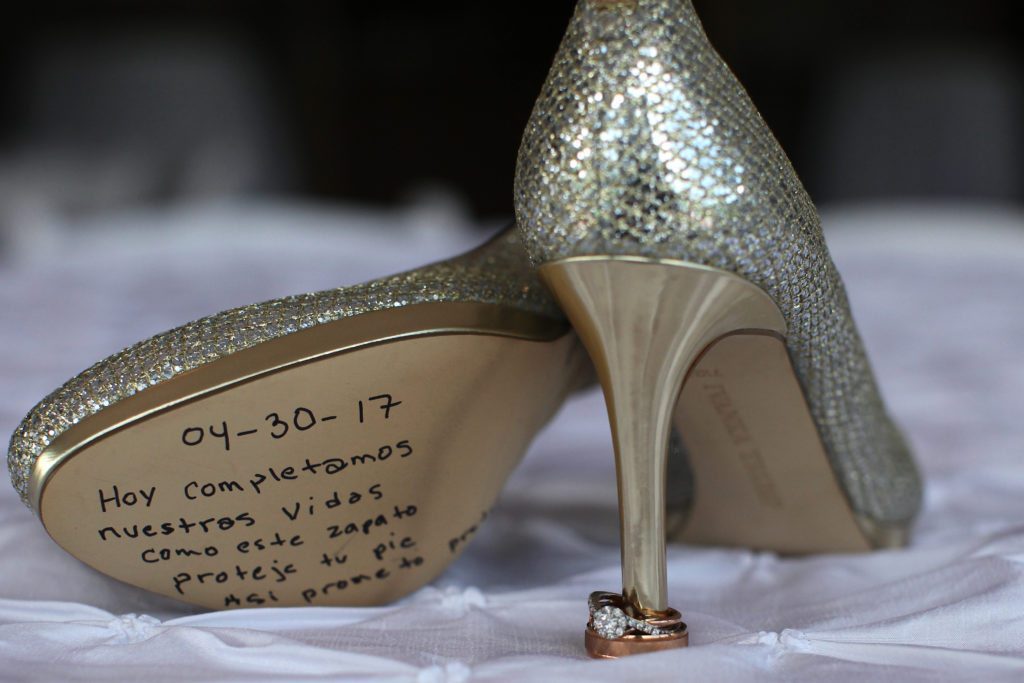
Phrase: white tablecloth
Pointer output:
(939, 293)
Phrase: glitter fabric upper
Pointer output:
(497, 273)
(642, 142)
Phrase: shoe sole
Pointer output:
(344, 464)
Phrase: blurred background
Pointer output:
(112, 103)
(162, 160)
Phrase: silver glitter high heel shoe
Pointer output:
(338, 448)
(672, 229)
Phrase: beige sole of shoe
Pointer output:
(346, 464)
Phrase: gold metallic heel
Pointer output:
(644, 323)
(668, 221)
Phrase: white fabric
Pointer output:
(939, 294)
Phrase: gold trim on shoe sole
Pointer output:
(222, 504)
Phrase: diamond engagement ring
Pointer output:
(613, 632)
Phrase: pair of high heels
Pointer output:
(343, 447)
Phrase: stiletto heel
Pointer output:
(676, 236)
(644, 322)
